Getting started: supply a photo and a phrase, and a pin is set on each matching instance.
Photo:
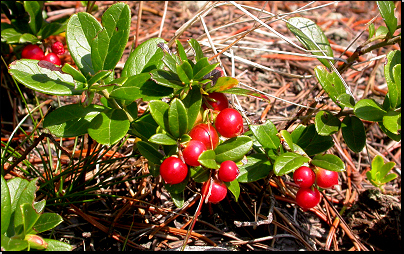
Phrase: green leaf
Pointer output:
(162, 139)
(386, 9)
(224, 84)
(371, 30)
(177, 118)
(297, 132)
(326, 123)
(159, 111)
(146, 57)
(109, 126)
(54, 245)
(16, 186)
(5, 205)
(257, 167)
(329, 162)
(187, 68)
(392, 121)
(81, 30)
(288, 162)
(266, 134)
(39, 206)
(71, 120)
(166, 78)
(203, 68)
(144, 127)
(331, 83)
(29, 216)
(178, 199)
(288, 138)
(45, 222)
(395, 137)
(382, 30)
(312, 143)
(207, 159)
(378, 174)
(369, 110)
(177, 188)
(108, 46)
(200, 174)
(197, 49)
(311, 36)
(182, 75)
(34, 9)
(233, 149)
(192, 103)
(354, 133)
(392, 73)
(53, 28)
(234, 188)
(181, 51)
(171, 61)
(346, 100)
(29, 73)
(12, 244)
(27, 197)
(150, 152)
(77, 75)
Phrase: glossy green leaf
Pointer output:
(54, 245)
(71, 120)
(392, 121)
(223, 84)
(12, 244)
(182, 74)
(162, 139)
(392, 73)
(266, 134)
(386, 9)
(39, 206)
(177, 188)
(178, 199)
(382, 30)
(245, 92)
(187, 68)
(150, 152)
(297, 132)
(34, 9)
(98, 76)
(331, 83)
(346, 100)
(354, 133)
(171, 61)
(369, 110)
(329, 162)
(288, 139)
(27, 197)
(197, 49)
(159, 111)
(288, 162)
(131, 109)
(77, 75)
(29, 216)
(166, 78)
(144, 126)
(312, 143)
(203, 68)
(395, 137)
(192, 103)
(109, 126)
(81, 30)
(181, 51)
(311, 36)
(233, 149)
(29, 73)
(177, 118)
(372, 30)
(146, 57)
(108, 45)
(257, 167)
(53, 28)
(207, 159)
(200, 174)
(234, 188)
(5, 205)
(378, 174)
(16, 187)
(326, 123)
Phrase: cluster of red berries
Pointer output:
(32, 51)
(228, 123)
(308, 195)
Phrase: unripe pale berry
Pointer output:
(228, 171)
(173, 170)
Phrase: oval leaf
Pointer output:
(312, 143)
(233, 149)
(207, 159)
(5, 206)
(288, 162)
(329, 162)
(159, 111)
(177, 118)
(150, 152)
(326, 123)
(192, 103)
(392, 121)
(257, 167)
(166, 78)
(54, 245)
(354, 133)
(386, 9)
(331, 83)
(162, 139)
(109, 126)
(369, 110)
(266, 134)
(393, 77)
(234, 188)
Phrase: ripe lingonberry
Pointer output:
(206, 134)
(192, 151)
(58, 48)
(229, 123)
(32, 52)
(221, 102)
(228, 171)
(53, 58)
(326, 178)
(218, 191)
(304, 177)
(307, 197)
(173, 170)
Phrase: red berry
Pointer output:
(218, 192)
(326, 178)
(58, 48)
(304, 177)
(221, 102)
(229, 123)
(32, 52)
(192, 151)
(205, 133)
(173, 170)
(53, 58)
(228, 171)
(307, 197)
